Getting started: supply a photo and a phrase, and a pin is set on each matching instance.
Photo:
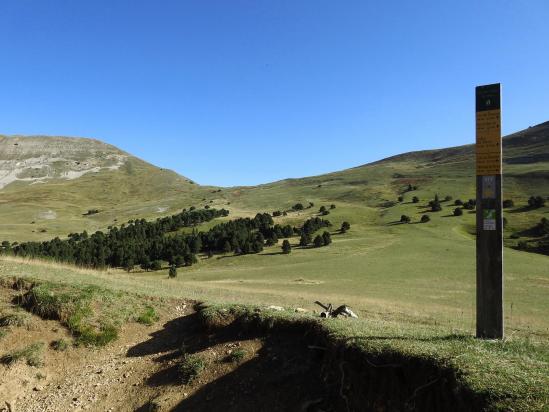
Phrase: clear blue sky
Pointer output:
(245, 92)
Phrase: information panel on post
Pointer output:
(489, 212)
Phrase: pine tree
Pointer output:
(327, 238)
(286, 247)
(173, 271)
(319, 241)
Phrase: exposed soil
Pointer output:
(139, 371)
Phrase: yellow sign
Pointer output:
(488, 147)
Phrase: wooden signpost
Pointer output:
(489, 213)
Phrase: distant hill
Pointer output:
(53, 181)
(47, 184)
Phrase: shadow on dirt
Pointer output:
(296, 366)
(284, 375)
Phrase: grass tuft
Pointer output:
(15, 319)
(190, 368)
(60, 345)
(92, 314)
(31, 353)
(148, 316)
(236, 356)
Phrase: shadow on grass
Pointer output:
(520, 209)
(229, 256)
(444, 338)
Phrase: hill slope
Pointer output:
(55, 180)
(47, 184)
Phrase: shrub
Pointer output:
(522, 245)
(470, 204)
(508, 203)
(458, 202)
(277, 213)
(173, 271)
(447, 198)
(297, 206)
(148, 316)
(60, 345)
(322, 209)
(190, 367)
(156, 265)
(400, 198)
(286, 247)
(405, 219)
(345, 226)
(435, 205)
(425, 218)
(536, 202)
(332, 206)
(458, 211)
(415, 199)
(236, 356)
(325, 213)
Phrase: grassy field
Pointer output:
(411, 284)
(423, 271)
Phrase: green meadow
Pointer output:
(412, 284)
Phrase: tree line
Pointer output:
(137, 243)
(147, 244)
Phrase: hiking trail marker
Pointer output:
(489, 213)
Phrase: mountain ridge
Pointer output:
(537, 134)
(124, 187)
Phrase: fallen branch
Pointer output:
(329, 312)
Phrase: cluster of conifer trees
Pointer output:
(149, 243)
(138, 243)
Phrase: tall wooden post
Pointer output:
(489, 213)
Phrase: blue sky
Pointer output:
(246, 92)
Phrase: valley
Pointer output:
(402, 279)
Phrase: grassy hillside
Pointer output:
(60, 179)
(422, 270)
(412, 285)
